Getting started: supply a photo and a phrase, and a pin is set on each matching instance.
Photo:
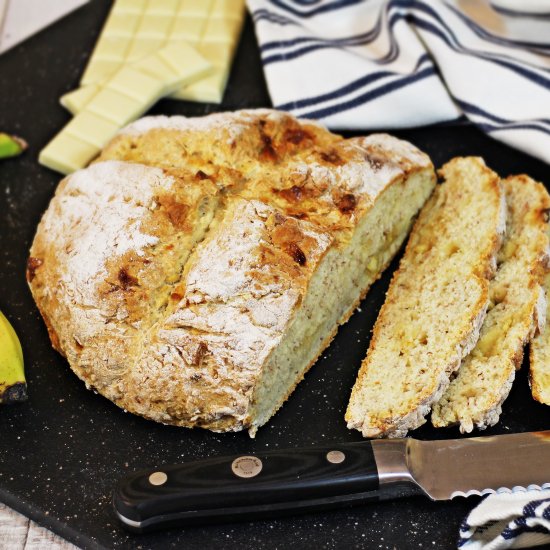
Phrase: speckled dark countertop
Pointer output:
(62, 451)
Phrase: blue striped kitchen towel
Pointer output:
(520, 519)
(371, 64)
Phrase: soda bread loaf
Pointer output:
(517, 310)
(198, 269)
(435, 305)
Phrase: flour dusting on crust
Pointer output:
(98, 216)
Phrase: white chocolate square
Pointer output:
(228, 9)
(113, 48)
(76, 100)
(189, 65)
(91, 128)
(222, 30)
(65, 153)
(188, 27)
(142, 47)
(135, 84)
(155, 26)
(129, 6)
(199, 8)
(172, 56)
(121, 24)
(113, 106)
(206, 90)
(99, 70)
(164, 7)
(156, 67)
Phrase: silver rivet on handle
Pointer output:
(158, 478)
(246, 466)
(336, 457)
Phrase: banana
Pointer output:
(13, 386)
(10, 146)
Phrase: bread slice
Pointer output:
(539, 350)
(516, 312)
(435, 304)
(242, 241)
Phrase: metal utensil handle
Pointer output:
(247, 487)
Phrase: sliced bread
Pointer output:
(516, 312)
(435, 305)
(539, 350)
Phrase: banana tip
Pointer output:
(21, 142)
(14, 394)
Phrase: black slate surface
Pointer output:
(63, 450)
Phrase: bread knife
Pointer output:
(284, 482)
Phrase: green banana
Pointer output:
(13, 386)
(10, 146)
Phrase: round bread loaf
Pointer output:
(196, 271)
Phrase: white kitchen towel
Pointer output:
(371, 64)
(20, 19)
(520, 519)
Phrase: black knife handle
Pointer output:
(245, 487)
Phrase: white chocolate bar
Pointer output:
(126, 96)
(137, 28)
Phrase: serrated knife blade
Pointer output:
(463, 467)
(282, 482)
